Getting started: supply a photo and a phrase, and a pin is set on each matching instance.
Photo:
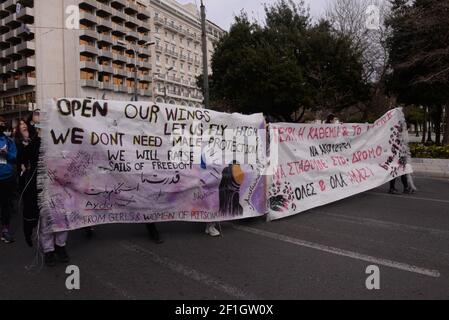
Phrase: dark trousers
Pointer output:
(6, 198)
(403, 180)
(30, 209)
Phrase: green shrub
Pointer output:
(433, 152)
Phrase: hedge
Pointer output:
(419, 150)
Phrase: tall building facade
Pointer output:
(42, 56)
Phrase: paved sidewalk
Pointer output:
(434, 168)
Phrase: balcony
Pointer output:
(10, 5)
(25, 29)
(130, 61)
(11, 21)
(119, 14)
(173, 79)
(133, 35)
(132, 7)
(106, 85)
(144, 77)
(103, 23)
(120, 72)
(104, 10)
(85, 48)
(196, 97)
(88, 4)
(23, 64)
(88, 18)
(89, 83)
(26, 82)
(26, 15)
(120, 88)
(171, 26)
(159, 49)
(119, 3)
(144, 65)
(133, 20)
(159, 21)
(118, 30)
(144, 37)
(26, 47)
(172, 53)
(174, 93)
(88, 65)
(105, 69)
(143, 16)
(105, 38)
(12, 36)
(3, 40)
(159, 91)
(10, 52)
(89, 33)
(105, 54)
(145, 92)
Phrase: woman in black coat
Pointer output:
(28, 144)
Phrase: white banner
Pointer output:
(140, 162)
(322, 163)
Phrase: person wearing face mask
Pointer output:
(8, 154)
(27, 159)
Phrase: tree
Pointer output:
(419, 55)
(286, 66)
(363, 21)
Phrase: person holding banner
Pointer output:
(8, 154)
(53, 244)
(393, 189)
(28, 144)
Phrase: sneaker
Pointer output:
(50, 259)
(61, 254)
(7, 237)
(393, 191)
(154, 234)
(211, 230)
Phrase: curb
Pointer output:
(433, 168)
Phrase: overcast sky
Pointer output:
(222, 12)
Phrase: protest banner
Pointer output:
(322, 163)
(137, 162)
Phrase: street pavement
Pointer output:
(321, 254)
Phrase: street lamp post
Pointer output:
(165, 83)
(204, 49)
(14, 71)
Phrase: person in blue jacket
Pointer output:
(8, 154)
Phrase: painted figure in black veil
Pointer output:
(231, 181)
